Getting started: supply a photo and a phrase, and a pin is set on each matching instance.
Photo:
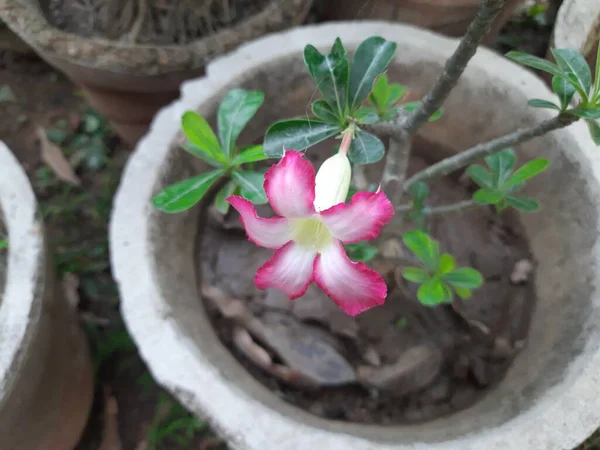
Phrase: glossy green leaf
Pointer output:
(366, 116)
(539, 103)
(564, 89)
(585, 113)
(251, 185)
(3, 244)
(432, 292)
(371, 59)
(396, 92)
(535, 62)
(480, 175)
(361, 252)
(594, 130)
(330, 73)
(501, 164)
(575, 66)
(465, 277)
(527, 171)
(365, 148)
(463, 293)
(235, 110)
(487, 196)
(198, 131)
(224, 193)
(597, 76)
(250, 154)
(446, 264)
(524, 204)
(185, 194)
(415, 274)
(380, 93)
(419, 192)
(296, 134)
(202, 154)
(424, 248)
(323, 111)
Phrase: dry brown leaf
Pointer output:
(110, 434)
(54, 158)
(70, 284)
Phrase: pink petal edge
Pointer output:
(290, 270)
(270, 233)
(290, 185)
(361, 219)
(353, 286)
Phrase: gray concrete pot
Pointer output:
(548, 399)
(46, 376)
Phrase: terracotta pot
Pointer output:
(548, 399)
(46, 375)
(450, 17)
(126, 82)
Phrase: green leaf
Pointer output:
(597, 75)
(463, 293)
(575, 66)
(3, 244)
(235, 110)
(594, 130)
(585, 113)
(396, 92)
(323, 111)
(432, 292)
(380, 93)
(330, 74)
(296, 134)
(524, 204)
(365, 148)
(411, 106)
(465, 277)
(487, 196)
(185, 194)
(366, 116)
(199, 133)
(535, 62)
(203, 154)
(539, 103)
(527, 171)
(250, 154)
(57, 135)
(371, 59)
(252, 186)
(225, 192)
(424, 248)
(446, 264)
(501, 164)
(480, 175)
(419, 192)
(361, 252)
(564, 89)
(415, 274)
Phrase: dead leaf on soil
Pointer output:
(70, 284)
(53, 156)
(110, 434)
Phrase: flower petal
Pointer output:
(361, 219)
(289, 270)
(269, 233)
(290, 186)
(352, 286)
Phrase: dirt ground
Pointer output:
(32, 95)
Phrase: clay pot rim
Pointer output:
(25, 274)
(22, 17)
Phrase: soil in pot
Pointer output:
(157, 22)
(398, 363)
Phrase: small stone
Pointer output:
(479, 370)
(371, 356)
(521, 271)
(502, 349)
(439, 392)
(461, 367)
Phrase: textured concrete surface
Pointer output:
(578, 26)
(549, 398)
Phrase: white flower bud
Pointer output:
(332, 182)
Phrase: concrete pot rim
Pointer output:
(144, 308)
(28, 22)
(18, 307)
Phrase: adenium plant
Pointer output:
(323, 221)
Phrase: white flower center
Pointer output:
(311, 234)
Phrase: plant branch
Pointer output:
(451, 208)
(452, 163)
(455, 65)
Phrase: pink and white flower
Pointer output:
(313, 224)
